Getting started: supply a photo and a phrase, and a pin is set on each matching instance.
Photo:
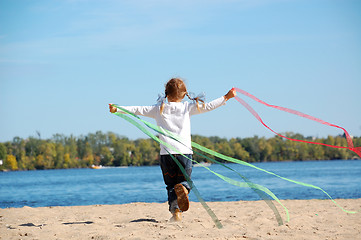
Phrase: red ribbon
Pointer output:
(351, 147)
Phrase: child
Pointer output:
(174, 116)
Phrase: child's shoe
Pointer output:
(182, 197)
(177, 216)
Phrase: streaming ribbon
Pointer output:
(351, 147)
(257, 188)
(260, 190)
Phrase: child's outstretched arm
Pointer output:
(147, 111)
(231, 94)
(206, 107)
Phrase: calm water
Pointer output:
(341, 179)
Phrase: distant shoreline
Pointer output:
(110, 149)
(195, 165)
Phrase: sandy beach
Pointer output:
(309, 219)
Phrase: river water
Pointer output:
(73, 187)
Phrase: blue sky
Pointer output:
(63, 61)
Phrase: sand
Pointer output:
(309, 219)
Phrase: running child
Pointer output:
(174, 116)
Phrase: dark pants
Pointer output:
(172, 175)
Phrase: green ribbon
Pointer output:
(257, 188)
(190, 182)
(262, 191)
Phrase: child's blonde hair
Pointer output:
(175, 88)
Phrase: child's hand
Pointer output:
(231, 93)
(112, 109)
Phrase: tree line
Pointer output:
(110, 149)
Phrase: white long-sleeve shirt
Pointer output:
(176, 119)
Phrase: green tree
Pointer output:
(67, 161)
(48, 152)
(29, 162)
(239, 152)
(224, 148)
(59, 156)
(39, 162)
(148, 154)
(251, 146)
(122, 152)
(106, 156)
(265, 149)
(88, 157)
(11, 162)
